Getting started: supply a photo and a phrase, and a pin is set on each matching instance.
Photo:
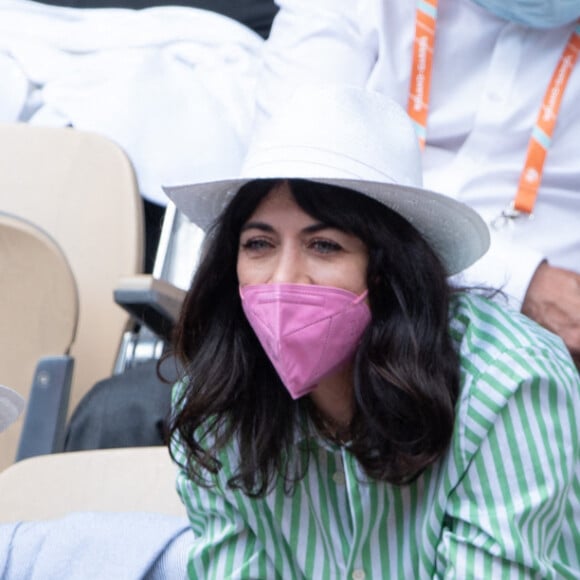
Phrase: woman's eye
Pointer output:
(325, 246)
(256, 244)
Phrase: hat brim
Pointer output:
(457, 233)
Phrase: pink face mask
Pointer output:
(307, 331)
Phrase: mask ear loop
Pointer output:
(361, 297)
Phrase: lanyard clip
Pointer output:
(508, 216)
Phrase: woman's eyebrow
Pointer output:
(268, 228)
(317, 227)
(257, 226)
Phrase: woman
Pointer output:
(345, 412)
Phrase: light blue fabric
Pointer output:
(534, 13)
(91, 546)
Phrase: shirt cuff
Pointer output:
(506, 266)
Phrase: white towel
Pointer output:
(173, 85)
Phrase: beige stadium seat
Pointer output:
(103, 480)
(38, 313)
(79, 187)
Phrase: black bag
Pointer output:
(126, 410)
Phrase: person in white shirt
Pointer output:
(495, 67)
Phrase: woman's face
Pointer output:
(280, 243)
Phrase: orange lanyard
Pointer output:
(540, 140)
(544, 128)
(418, 105)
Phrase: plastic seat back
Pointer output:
(80, 187)
(102, 480)
(38, 310)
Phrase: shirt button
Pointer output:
(339, 478)
(358, 575)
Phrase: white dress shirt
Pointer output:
(488, 83)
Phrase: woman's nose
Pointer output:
(290, 268)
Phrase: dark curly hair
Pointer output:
(406, 372)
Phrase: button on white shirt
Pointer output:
(489, 80)
(339, 477)
(358, 574)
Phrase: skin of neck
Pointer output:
(333, 397)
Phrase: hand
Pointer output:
(553, 300)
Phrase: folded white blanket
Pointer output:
(173, 85)
(96, 546)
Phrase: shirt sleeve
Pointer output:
(515, 511)
(224, 546)
(310, 42)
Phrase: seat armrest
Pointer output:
(44, 425)
(151, 301)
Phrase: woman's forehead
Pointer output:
(279, 203)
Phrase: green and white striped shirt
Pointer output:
(504, 502)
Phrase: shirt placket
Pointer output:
(355, 493)
(492, 109)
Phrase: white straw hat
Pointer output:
(354, 138)
(11, 405)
